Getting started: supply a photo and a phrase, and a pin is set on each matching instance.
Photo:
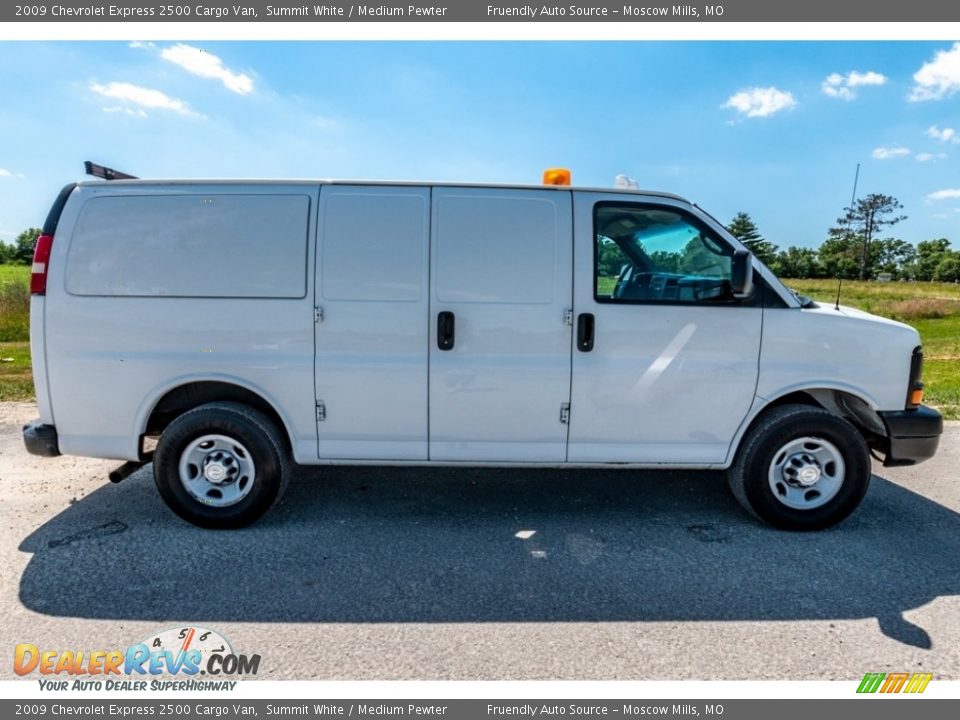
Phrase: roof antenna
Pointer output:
(853, 201)
(105, 173)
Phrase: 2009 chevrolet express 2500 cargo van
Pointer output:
(250, 324)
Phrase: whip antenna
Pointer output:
(853, 200)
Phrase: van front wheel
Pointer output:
(221, 465)
(801, 468)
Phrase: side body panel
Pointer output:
(664, 383)
(111, 358)
(501, 264)
(38, 358)
(372, 290)
(839, 350)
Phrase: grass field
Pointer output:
(16, 380)
(932, 308)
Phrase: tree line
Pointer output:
(20, 252)
(855, 249)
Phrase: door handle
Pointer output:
(585, 332)
(445, 330)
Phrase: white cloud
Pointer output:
(206, 65)
(949, 194)
(143, 98)
(839, 86)
(144, 45)
(125, 110)
(855, 79)
(885, 153)
(5, 173)
(943, 135)
(760, 102)
(929, 157)
(938, 78)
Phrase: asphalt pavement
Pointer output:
(413, 573)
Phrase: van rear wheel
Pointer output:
(221, 465)
(801, 468)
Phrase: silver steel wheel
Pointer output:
(806, 472)
(217, 470)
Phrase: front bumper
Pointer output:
(912, 435)
(41, 439)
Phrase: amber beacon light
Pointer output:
(556, 176)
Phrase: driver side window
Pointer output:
(657, 254)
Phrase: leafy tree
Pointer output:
(744, 229)
(797, 263)
(864, 220)
(23, 249)
(949, 268)
(6, 253)
(839, 257)
(930, 253)
(894, 256)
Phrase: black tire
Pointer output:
(259, 439)
(749, 476)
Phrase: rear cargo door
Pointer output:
(500, 345)
(372, 319)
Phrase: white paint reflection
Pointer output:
(663, 361)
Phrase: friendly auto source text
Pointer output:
(627, 11)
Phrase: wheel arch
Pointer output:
(187, 394)
(854, 406)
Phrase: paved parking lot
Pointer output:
(374, 573)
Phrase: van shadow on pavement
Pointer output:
(369, 545)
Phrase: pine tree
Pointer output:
(864, 221)
(744, 229)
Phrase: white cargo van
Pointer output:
(245, 326)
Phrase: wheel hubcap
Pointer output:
(802, 470)
(217, 470)
(220, 467)
(806, 473)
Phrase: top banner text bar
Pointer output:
(328, 11)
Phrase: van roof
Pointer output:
(397, 183)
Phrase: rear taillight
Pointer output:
(915, 389)
(41, 263)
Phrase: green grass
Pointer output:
(932, 308)
(16, 377)
(15, 273)
(19, 273)
(14, 303)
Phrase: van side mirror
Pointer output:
(741, 274)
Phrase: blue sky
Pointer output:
(772, 128)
